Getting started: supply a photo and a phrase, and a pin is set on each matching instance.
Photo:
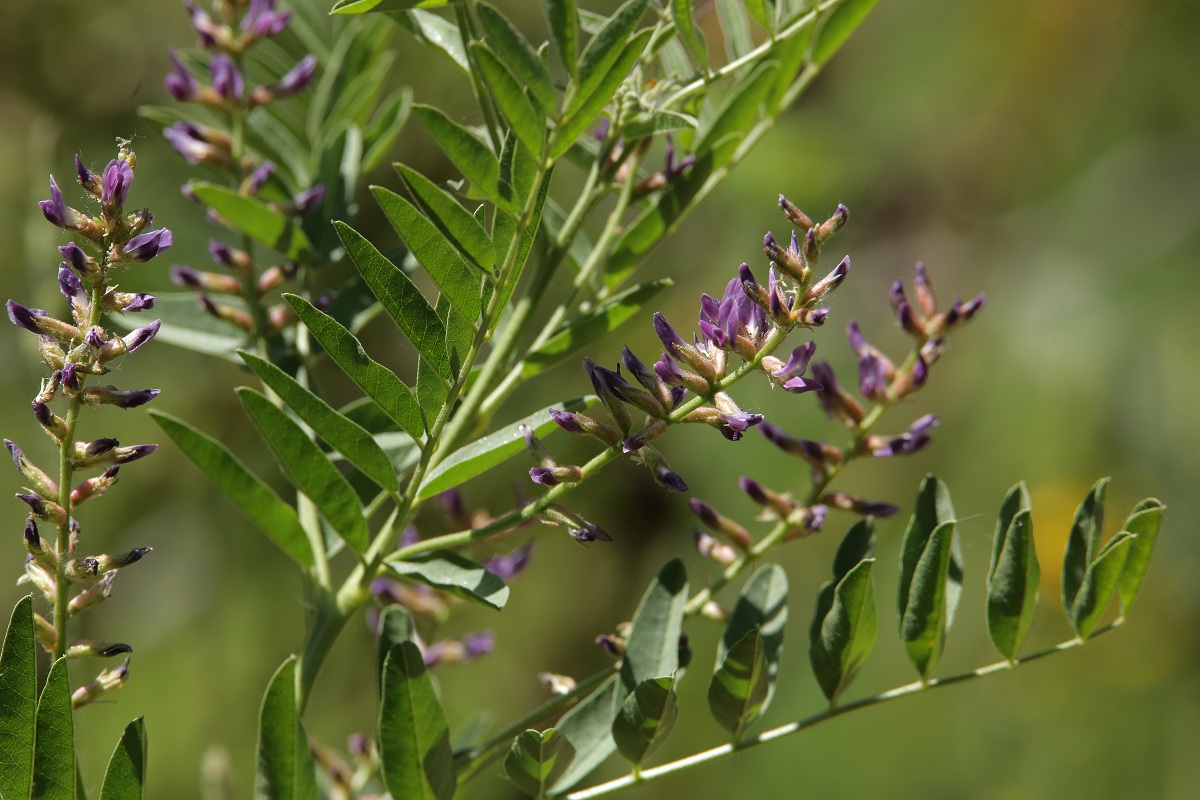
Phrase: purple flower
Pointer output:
(77, 258)
(830, 282)
(69, 283)
(923, 288)
(543, 476)
(819, 454)
(673, 170)
(509, 565)
(69, 377)
(478, 644)
(140, 336)
(858, 505)
(834, 400)
(111, 395)
(186, 276)
(590, 532)
(297, 78)
(566, 420)
(259, 177)
(24, 317)
(207, 30)
(180, 83)
(227, 80)
(791, 373)
(56, 210)
(309, 199)
(735, 425)
(914, 440)
(263, 20)
(146, 246)
(93, 338)
(115, 185)
(189, 142)
(139, 301)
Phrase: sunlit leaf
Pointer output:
(126, 774)
(54, 738)
(584, 111)
(354, 443)
(285, 768)
(257, 501)
(646, 718)
(731, 15)
(930, 575)
(254, 218)
(741, 685)
(837, 26)
(1144, 523)
(454, 222)
(18, 701)
(537, 759)
(1083, 542)
(847, 632)
(1099, 583)
(527, 120)
(761, 607)
(454, 573)
(502, 234)
(652, 647)
(438, 32)
(395, 626)
(563, 19)
(1013, 576)
(380, 383)
(363, 6)
(603, 51)
(472, 157)
(518, 55)
(588, 729)
(308, 469)
(692, 37)
(414, 737)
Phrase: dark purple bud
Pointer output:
(55, 209)
(141, 336)
(118, 178)
(566, 420)
(543, 476)
(207, 30)
(643, 437)
(637, 368)
(794, 214)
(111, 395)
(590, 532)
(834, 224)
(814, 520)
(227, 80)
(297, 78)
(670, 338)
(133, 556)
(857, 342)
(971, 307)
(819, 454)
(924, 291)
(146, 246)
(478, 644)
(756, 491)
(33, 541)
(108, 651)
(600, 383)
(834, 400)
(69, 377)
(309, 199)
(190, 143)
(830, 282)
(80, 261)
(872, 379)
(812, 317)
(185, 276)
(669, 479)
(180, 83)
(258, 177)
(735, 425)
(99, 447)
(611, 643)
(858, 505)
(139, 301)
(24, 317)
(69, 283)
(908, 320)
(263, 20)
(94, 338)
(48, 420)
(509, 565)
(896, 295)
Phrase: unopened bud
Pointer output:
(721, 524)
(92, 648)
(718, 551)
(45, 633)
(107, 681)
(39, 481)
(794, 214)
(94, 487)
(712, 610)
(94, 595)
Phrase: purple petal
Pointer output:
(140, 336)
(115, 185)
(69, 283)
(510, 565)
(227, 80)
(146, 246)
(55, 209)
(24, 317)
(543, 476)
(298, 77)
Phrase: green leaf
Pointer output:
(651, 122)
(602, 52)
(847, 632)
(1099, 583)
(439, 33)
(354, 443)
(518, 55)
(54, 739)
(483, 454)
(590, 326)
(563, 19)
(380, 383)
(1144, 523)
(837, 27)
(526, 120)
(588, 729)
(18, 701)
(738, 112)
(247, 491)
(307, 468)
(395, 626)
(1012, 581)
(580, 116)
(414, 737)
(285, 766)
(761, 607)
(472, 157)
(652, 647)
(758, 10)
(451, 219)
(459, 281)
(741, 686)
(923, 623)
(692, 37)
(399, 297)
(503, 231)
(646, 718)
(1082, 543)
(537, 759)
(185, 324)
(736, 26)
(385, 125)
(254, 218)
(126, 773)
(363, 6)
(454, 573)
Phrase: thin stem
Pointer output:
(917, 687)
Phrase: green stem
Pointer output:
(917, 687)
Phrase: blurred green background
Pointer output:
(1046, 152)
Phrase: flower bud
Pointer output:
(578, 423)
(46, 635)
(794, 214)
(858, 505)
(145, 246)
(111, 395)
(552, 476)
(829, 283)
(42, 508)
(55, 425)
(42, 578)
(94, 487)
(558, 685)
(38, 480)
(709, 547)
(93, 595)
(93, 648)
(721, 524)
(780, 504)
(107, 681)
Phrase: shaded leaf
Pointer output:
(761, 607)
(741, 685)
(185, 324)
(1013, 577)
(503, 232)
(437, 32)
(603, 50)
(652, 647)
(1144, 523)
(285, 768)
(837, 26)
(688, 32)
(736, 26)
(454, 573)
(126, 773)
(518, 55)
(395, 626)
(646, 718)
(582, 114)
(354, 443)
(651, 122)
(18, 701)
(923, 622)
(247, 491)
(525, 119)
(414, 737)
(363, 6)
(459, 281)
(537, 759)
(563, 19)
(380, 383)
(1099, 583)
(847, 632)
(1082, 543)
(738, 112)
(54, 739)
(758, 10)
(588, 729)
(400, 298)
(590, 326)
(452, 220)
(307, 468)
(384, 127)
(254, 218)
(483, 454)
(472, 157)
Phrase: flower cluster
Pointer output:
(77, 350)
(227, 34)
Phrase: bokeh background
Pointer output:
(1044, 151)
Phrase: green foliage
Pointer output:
(18, 701)
(454, 573)
(741, 686)
(285, 765)
(414, 738)
(255, 219)
(1013, 575)
(762, 608)
(537, 759)
(646, 718)
(1143, 522)
(844, 623)
(54, 738)
(126, 775)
